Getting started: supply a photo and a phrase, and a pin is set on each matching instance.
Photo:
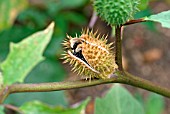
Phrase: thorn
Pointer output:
(98, 36)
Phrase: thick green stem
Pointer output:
(145, 84)
(56, 86)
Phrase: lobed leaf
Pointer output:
(118, 101)
(154, 104)
(37, 107)
(163, 18)
(24, 55)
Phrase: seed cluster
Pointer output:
(90, 55)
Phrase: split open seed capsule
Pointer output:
(90, 55)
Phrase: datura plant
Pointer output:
(90, 55)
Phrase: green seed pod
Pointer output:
(90, 55)
(116, 12)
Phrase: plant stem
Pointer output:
(56, 86)
(134, 21)
(14, 108)
(93, 20)
(145, 84)
(118, 43)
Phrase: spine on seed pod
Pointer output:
(90, 55)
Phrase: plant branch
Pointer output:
(118, 43)
(56, 86)
(14, 108)
(93, 20)
(134, 21)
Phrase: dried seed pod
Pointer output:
(89, 55)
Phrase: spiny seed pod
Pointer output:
(90, 56)
(116, 12)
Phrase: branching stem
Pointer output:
(121, 77)
(135, 21)
(56, 86)
(14, 108)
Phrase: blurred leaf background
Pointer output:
(21, 18)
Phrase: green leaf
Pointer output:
(9, 9)
(78, 110)
(154, 104)
(25, 55)
(1, 80)
(139, 98)
(2, 110)
(118, 101)
(37, 107)
(163, 18)
(144, 13)
(14, 34)
(52, 98)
